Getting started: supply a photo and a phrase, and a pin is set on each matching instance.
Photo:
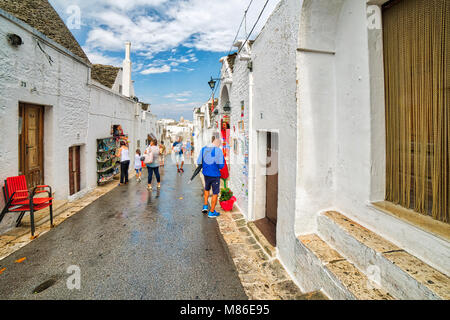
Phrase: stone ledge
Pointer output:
(364, 235)
(402, 274)
(435, 281)
(339, 270)
(262, 277)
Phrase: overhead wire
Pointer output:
(244, 19)
(254, 26)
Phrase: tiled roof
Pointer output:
(40, 15)
(231, 59)
(104, 74)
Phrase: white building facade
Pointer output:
(51, 86)
(314, 90)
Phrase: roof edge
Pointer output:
(42, 36)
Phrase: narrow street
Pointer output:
(131, 244)
(321, 128)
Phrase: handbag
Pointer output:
(148, 157)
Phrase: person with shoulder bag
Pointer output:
(151, 160)
(124, 156)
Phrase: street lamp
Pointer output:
(212, 85)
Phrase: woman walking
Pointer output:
(152, 163)
(124, 156)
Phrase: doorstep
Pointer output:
(262, 275)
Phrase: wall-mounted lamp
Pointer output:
(14, 40)
(250, 66)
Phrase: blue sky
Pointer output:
(176, 44)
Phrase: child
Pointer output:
(138, 165)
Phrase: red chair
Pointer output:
(19, 199)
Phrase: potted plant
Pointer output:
(226, 199)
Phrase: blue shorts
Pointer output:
(213, 182)
(138, 170)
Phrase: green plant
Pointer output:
(225, 194)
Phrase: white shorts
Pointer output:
(179, 158)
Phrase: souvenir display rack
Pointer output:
(107, 162)
(119, 136)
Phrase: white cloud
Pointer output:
(153, 70)
(204, 25)
(97, 57)
(179, 95)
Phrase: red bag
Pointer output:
(224, 174)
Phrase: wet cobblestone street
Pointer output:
(130, 244)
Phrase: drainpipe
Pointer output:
(252, 151)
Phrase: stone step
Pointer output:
(401, 274)
(315, 295)
(323, 268)
(43, 216)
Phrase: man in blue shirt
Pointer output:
(179, 157)
(212, 160)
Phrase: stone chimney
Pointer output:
(127, 85)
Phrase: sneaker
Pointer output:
(150, 188)
(182, 170)
(205, 209)
(214, 214)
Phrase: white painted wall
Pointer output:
(76, 113)
(341, 126)
(275, 109)
(61, 87)
(236, 93)
(108, 109)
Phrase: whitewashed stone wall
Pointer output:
(107, 109)
(76, 113)
(341, 126)
(238, 93)
(60, 86)
(275, 109)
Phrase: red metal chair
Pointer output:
(19, 199)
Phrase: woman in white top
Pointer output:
(124, 156)
(152, 153)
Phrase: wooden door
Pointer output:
(272, 178)
(74, 170)
(31, 144)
